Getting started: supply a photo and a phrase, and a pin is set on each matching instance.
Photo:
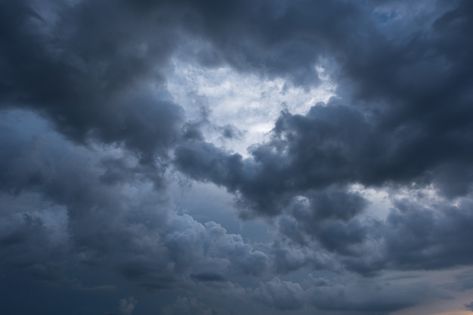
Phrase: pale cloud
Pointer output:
(247, 101)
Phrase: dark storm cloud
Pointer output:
(208, 277)
(335, 144)
(91, 66)
(365, 298)
(283, 295)
(402, 119)
(358, 296)
(429, 236)
(306, 153)
(91, 69)
(329, 217)
(332, 144)
(275, 38)
(56, 203)
(88, 76)
(416, 235)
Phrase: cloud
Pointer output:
(283, 295)
(208, 277)
(373, 134)
(125, 225)
(418, 234)
(365, 297)
(91, 136)
(93, 78)
(469, 306)
(185, 305)
(127, 305)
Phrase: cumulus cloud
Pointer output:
(56, 203)
(284, 295)
(92, 137)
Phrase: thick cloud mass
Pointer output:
(126, 227)
(94, 76)
(361, 205)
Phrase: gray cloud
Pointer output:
(127, 305)
(90, 136)
(469, 306)
(56, 203)
(92, 76)
(282, 294)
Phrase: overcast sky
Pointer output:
(236, 157)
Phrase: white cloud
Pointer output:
(247, 101)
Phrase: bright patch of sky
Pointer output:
(247, 103)
(382, 200)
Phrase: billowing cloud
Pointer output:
(102, 131)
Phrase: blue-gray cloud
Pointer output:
(90, 139)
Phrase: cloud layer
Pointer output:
(95, 150)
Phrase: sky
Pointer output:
(174, 157)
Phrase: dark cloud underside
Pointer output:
(93, 145)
